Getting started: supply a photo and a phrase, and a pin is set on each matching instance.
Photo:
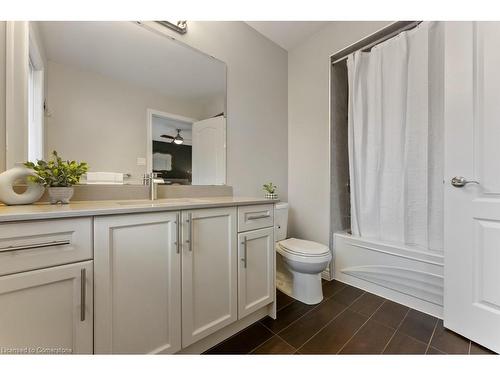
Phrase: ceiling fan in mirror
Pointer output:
(178, 140)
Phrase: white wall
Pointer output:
(256, 104)
(16, 92)
(308, 126)
(2, 95)
(211, 106)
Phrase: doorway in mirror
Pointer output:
(185, 151)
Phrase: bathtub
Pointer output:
(407, 275)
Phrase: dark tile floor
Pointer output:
(347, 321)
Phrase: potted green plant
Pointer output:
(58, 176)
(270, 190)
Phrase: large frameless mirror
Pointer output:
(128, 101)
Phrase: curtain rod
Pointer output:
(372, 40)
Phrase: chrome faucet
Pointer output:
(152, 180)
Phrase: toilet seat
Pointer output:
(302, 248)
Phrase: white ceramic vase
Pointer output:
(7, 180)
(60, 194)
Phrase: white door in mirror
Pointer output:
(209, 151)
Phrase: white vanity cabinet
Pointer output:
(46, 286)
(209, 272)
(137, 283)
(256, 270)
(47, 311)
(142, 282)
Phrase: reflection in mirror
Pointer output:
(128, 101)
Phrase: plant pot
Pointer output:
(271, 196)
(60, 194)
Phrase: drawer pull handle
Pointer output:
(257, 217)
(83, 291)
(35, 246)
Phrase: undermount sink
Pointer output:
(165, 201)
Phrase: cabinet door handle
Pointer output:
(178, 232)
(244, 244)
(83, 291)
(189, 240)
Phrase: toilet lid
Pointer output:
(303, 247)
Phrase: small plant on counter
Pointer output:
(270, 190)
(58, 176)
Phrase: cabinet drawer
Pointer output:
(255, 217)
(43, 243)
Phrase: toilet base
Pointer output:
(303, 287)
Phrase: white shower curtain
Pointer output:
(396, 139)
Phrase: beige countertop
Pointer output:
(109, 207)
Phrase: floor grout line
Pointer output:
(258, 346)
(307, 312)
(331, 320)
(263, 325)
(288, 304)
(359, 329)
(230, 337)
(432, 336)
(335, 317)
(277, 334)
(273, 336)
(396, 330)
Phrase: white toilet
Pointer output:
(299, 263)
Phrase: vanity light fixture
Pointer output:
(179, 26)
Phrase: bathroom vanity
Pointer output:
(127, 275)
(169, 276)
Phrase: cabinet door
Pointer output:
(209, 279)
(47, 311)
(255, 270)
(137, 283)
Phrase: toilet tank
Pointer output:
(280, 220)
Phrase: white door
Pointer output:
(137, 283)
(472, 151)
(209, 273)
(255, 270)
(47, 311)
(209, 151)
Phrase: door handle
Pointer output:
(460, 181)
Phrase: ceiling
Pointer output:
(287, 34)
(128, 52)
